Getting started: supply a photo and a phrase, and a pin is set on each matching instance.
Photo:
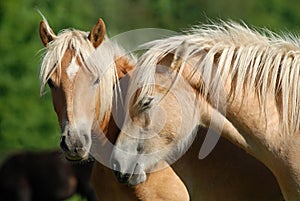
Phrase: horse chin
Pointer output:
(76, 157)
(131, 179)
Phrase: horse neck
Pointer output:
(254, 119)
(212, 113)
(245, 120)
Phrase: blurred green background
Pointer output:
(28, 121)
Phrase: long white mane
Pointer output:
(100, 62)
(254, 59)
(55, 50)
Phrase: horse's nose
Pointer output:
(121, 177)
(72, 146)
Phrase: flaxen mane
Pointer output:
(69, 38)
(100, 62)
(253, 59)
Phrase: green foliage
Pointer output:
(28, 121)
(23, 123)
(76, 198)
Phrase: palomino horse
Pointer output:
(44, 175)
(249, 179)
(227, 77)
(82, 94)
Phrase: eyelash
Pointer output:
(145, 104)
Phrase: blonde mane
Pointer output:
(55, 50)
(100, 62)
(254, 59)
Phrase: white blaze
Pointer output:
(72, 69)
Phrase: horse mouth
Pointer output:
(76, 157)
(131, 179)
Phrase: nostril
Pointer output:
(63, 144)
(122, 177)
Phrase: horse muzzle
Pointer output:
(130, 178)
(74, 148)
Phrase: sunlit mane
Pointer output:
(254, 59)
(100, 61)
(74, 39)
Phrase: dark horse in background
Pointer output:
(44, 176)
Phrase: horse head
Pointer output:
(74, 86)
(157, 123)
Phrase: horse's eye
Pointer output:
(50, 83)
(145, 103)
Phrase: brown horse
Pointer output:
(46, 175)
(232, 80)
(82, 82)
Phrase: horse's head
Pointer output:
(156, 126)
(74, 86)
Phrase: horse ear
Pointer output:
(46, 33)
(179, 56)
(97, 34)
